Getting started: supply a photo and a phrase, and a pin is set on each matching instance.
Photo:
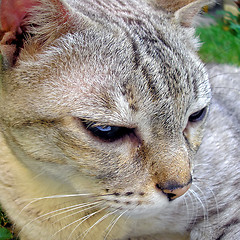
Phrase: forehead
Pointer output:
(120, 78)
(123, 69)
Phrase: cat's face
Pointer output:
(110, 112)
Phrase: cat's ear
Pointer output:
(18, 16)
(186, 14)
(184, 11)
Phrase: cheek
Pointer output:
(193, 135)
(106, 160)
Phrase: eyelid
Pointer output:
(90, 123)
(96, 123)
(115, 133)
(202, 113)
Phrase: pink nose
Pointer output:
(173, 190)
(175, 193)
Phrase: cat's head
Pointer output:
(107, 98)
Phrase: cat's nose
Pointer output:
(173, 191)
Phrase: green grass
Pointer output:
(5, 227)
(219, 45)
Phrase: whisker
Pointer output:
(98, 221)
(65, 196)
(216, 202)
(223, 74)
(93, 205)
(212, 192)
(83, 219)
(203, 207)
(207, 219)
(113, 223)
(194, 205)
(188, 212)
(46, 214)
(235, 89)
(52, 197)
(43, 198)
(110, 224)
(81, 223)
(193, 217)
(70, 208)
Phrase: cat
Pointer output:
(112, 127)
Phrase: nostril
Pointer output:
(173, 194)
(174, 191)
(170, 196)
(158, 187)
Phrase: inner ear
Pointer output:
(170, 6)
(12, 15)
(185, 15)
(184, 10)
(11, 44)
(18, 16)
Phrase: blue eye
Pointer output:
(106, 132)
(104, 128)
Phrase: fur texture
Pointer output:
(73, 70)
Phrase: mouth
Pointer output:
(137, 205)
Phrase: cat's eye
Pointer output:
(198, 116)
(106, 132)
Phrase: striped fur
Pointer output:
(130, 64)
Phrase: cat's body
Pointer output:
(130, 68)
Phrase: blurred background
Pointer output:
(219, 30)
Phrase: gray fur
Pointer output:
(127, 64)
